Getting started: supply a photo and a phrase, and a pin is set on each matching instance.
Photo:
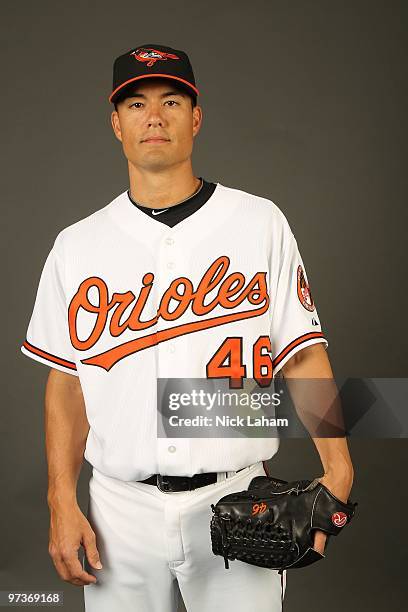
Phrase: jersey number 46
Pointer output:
(227, 362)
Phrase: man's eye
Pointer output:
(171, 102)
(134, 103)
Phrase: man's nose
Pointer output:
(155, 117)
(155, 121)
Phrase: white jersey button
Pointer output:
(172, 348)
(169, 241)
(170, 264)
(171, 449)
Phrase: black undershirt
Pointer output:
(176, 213)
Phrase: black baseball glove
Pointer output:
(272, 523)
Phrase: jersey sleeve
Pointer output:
(47, 339)
(295, 322)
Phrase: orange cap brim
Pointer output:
(146, 76)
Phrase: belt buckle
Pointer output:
(166, 485)
(163, 484)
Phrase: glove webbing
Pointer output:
(249, 540)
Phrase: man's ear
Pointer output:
(197, 119)
(115, 122)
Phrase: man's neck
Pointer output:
(162, 189)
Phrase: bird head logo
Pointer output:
(151, 56)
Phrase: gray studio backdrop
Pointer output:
(304, 103)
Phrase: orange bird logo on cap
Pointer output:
(151, 56)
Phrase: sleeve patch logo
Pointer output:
(304, 291)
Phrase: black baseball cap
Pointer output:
(152, 61)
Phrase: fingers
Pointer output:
(75, 569)
(68, 531)
(319, 542)
(70, 570)
(91, 551)
(69, 567)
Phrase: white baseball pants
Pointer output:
(148, 539)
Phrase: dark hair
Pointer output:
(193, 98)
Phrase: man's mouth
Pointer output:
(155, 140)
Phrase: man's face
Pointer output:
(156, 109)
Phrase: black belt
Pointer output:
(171, 484)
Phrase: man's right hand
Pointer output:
(69, 529)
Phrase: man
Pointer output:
(177, 277)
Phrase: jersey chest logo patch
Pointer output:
(151, 56)
(303, 290)
(232, 291)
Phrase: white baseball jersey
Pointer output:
(124, 299)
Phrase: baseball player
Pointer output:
(176, 277)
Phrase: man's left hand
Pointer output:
(340, 486)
